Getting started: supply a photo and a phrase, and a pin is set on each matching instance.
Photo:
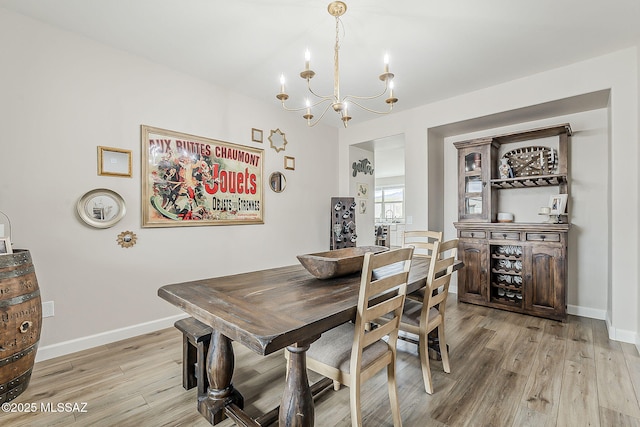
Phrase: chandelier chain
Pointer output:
(336, 63)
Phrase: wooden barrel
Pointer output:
(20, 322)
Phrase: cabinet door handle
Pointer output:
(504, 235)
(542, 236)
(473, 234)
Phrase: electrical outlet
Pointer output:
(47, 309)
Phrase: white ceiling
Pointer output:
(438, 49)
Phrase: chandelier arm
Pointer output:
(284, 107)
(321, 116)
(373, 111)
(304, 108)
(323, 97)
(367, 97)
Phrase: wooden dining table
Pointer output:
(266, 311)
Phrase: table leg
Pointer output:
(296, 408)
(220, 364)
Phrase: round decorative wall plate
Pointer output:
(536, 160)
(101, 208)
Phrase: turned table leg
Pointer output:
(220, 364)
(296, 408)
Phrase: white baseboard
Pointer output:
(622, 335)
(84, 343)
(591, 313)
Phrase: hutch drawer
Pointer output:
(505, 235)
(543, 237)
(473, 234)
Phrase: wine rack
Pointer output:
(343, 223)
(506, 274)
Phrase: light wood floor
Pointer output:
(507, 370)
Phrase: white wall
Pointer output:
(488, 109)
(64, 95)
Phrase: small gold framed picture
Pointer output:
(290, 163)
(256, 135)
(114, 162)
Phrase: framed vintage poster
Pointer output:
(190, 180)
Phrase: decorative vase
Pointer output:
(504, 168)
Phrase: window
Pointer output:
(389, 203)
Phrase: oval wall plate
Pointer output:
(101, 208)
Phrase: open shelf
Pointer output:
(503, 271)
(517, 288)
(509, 257)
(529, 181)
(515, 302)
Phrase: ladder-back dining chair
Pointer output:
(352, 353)
(421, 318)
(422, 241)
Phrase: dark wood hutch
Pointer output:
(520, 267)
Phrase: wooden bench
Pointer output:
(196, 337)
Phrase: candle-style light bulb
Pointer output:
(386, 62)
(308, 114)
(307, 59)
(391, 89)
(281, 83)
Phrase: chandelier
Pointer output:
(339, 105)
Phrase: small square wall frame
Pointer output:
(114, 162)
